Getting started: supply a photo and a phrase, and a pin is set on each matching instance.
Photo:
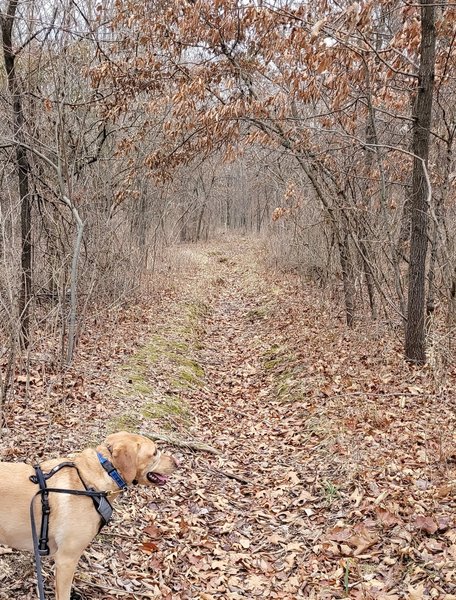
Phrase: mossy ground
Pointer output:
(124, 422)
(170, 405)
(285, 369)
(158, 375)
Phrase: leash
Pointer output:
(41, 543)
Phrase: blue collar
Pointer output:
(112, 471)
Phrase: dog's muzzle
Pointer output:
(156, 478)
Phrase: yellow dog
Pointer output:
(74, 520)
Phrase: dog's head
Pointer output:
(138, 459)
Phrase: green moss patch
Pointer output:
(169, 405)
(124, 422)
(170, 356)
(286, 371)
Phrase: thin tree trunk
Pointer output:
(435, 236)
(347, 277)
(415, 342)
(74, 286)
(23, 169)
(448, 243)
(373, 140)
(406, 217)
(368, 274)
(341, 233)
(228, 213)
(200, 222)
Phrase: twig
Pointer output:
(123, 536)
(231, 475)
(381, 394)
(175, 441)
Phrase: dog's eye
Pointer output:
(155, 452)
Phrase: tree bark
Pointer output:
(23, 169)
(347, 277)
(415, 339)
(200, 222)
(341, 232)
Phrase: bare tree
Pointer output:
(22, 166)
(415, 342)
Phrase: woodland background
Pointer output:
(231, 225)
(129, 126)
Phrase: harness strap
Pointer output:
(53, 471)
(41, 544)
(100, 500)
(36, 551)
(40, 479)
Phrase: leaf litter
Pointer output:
(335, 472)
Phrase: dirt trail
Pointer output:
(328, 474)
(326, 482)
(251, 495)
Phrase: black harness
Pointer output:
(41, 543)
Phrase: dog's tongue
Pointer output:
(157, 478)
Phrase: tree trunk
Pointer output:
(347, 277)
(415, 342)
(340, 228)
(434, 239)
(367, 268)
(74, 281)
(23, 169)
(200, 222)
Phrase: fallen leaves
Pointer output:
(355, 540)
(149, 547)
(426, 524)
(153, 532)
(341, 488)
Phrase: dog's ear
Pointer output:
(124, 455)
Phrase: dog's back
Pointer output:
(15, 497)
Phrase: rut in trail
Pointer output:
(338, 474)
(248, 502)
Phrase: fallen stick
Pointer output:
(230, 475)
(175, 441)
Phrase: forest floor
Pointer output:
(332, 472)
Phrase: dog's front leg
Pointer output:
(65, 566)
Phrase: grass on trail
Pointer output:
(335, 475)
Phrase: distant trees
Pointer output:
(344, 90)
(150, 122)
